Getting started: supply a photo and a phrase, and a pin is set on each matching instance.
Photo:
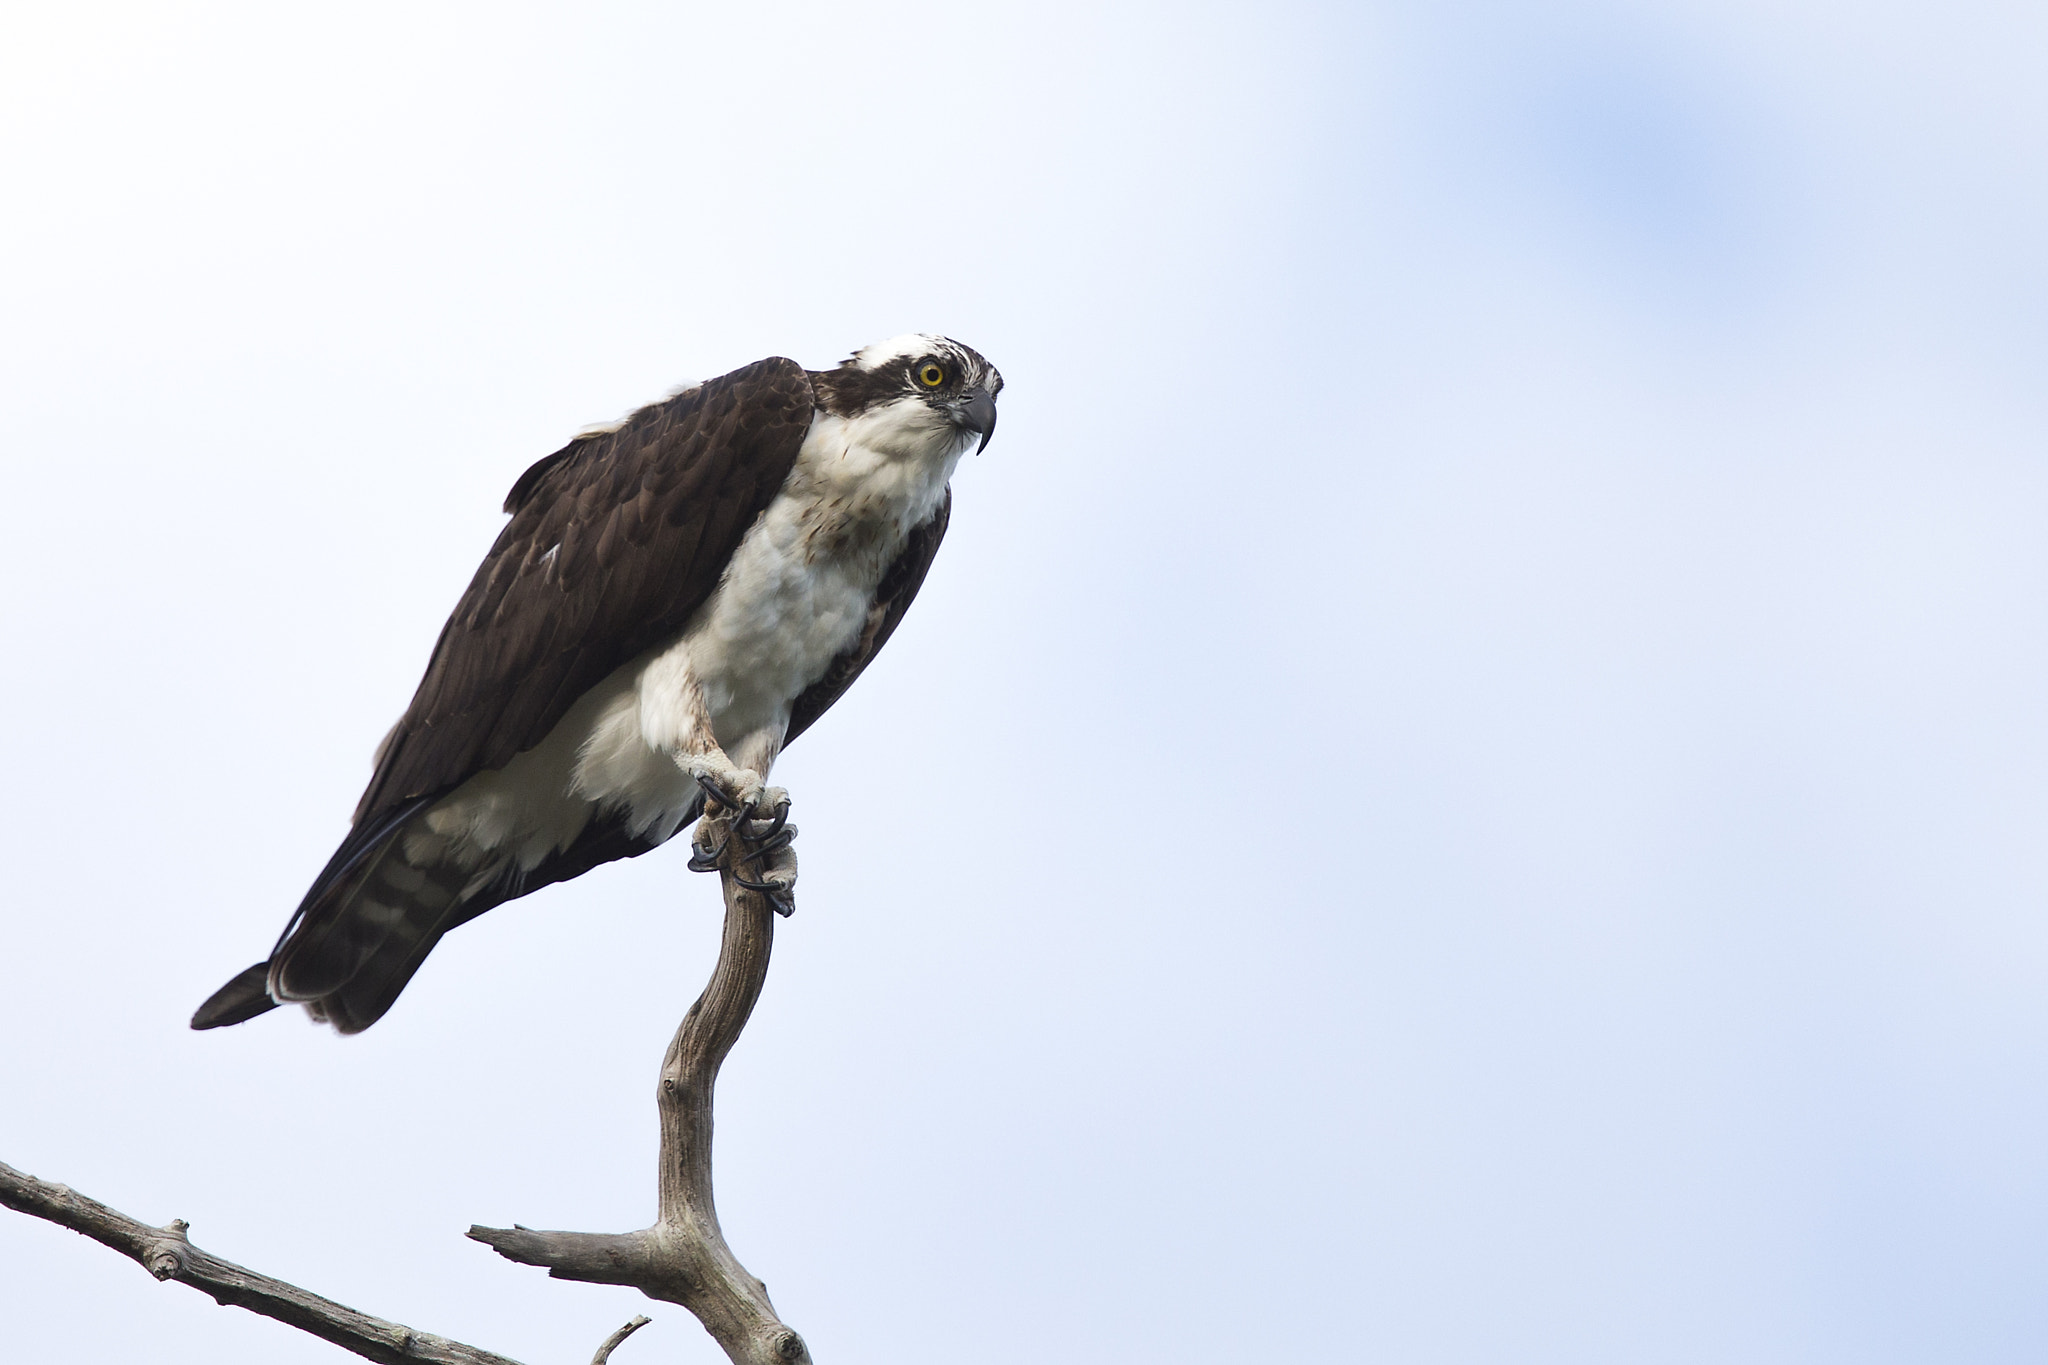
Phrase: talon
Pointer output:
(770, 798)
(775, 843)
(775, 827)
(776, 893)
(726, 786)
(778, 874)
(776, 835)
(704, 859)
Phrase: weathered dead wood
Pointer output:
(683, 1258)
(167, 1254)
(611, 1343)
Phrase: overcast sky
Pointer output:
(1468, 785)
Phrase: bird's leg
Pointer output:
(725, 782)
(730, 795)
(697, 752)
(763, 845)
(730, 835)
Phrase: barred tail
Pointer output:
(378, 909)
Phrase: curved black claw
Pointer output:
(708, 859)
(773, 843)
(776, 893)
(757, 849)
(775, 826)
(724, 798)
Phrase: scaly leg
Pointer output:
(736, 791)
(734, 786)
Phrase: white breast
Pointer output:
(795, 595)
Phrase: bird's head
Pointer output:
(922, 390)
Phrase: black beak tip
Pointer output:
(978, 414)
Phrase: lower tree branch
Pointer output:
(167, 1254)
(611, 1343)
(683, 1258)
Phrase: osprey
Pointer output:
(674, 600)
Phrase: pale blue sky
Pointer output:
(1468, 786)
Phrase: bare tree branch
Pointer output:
(167, 1254)
(611, 1343)
(683, 1258)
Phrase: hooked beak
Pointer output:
(976, 412)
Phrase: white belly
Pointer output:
(795, 596)
(781, 616)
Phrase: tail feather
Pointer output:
(378, 913)
(241, 1000)
(353, 954)
(331, 892)
(375, 987)
(374, 914)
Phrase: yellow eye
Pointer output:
(931, 374)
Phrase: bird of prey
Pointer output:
(674, 600)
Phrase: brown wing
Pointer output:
(899, 586)
(614, 540)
